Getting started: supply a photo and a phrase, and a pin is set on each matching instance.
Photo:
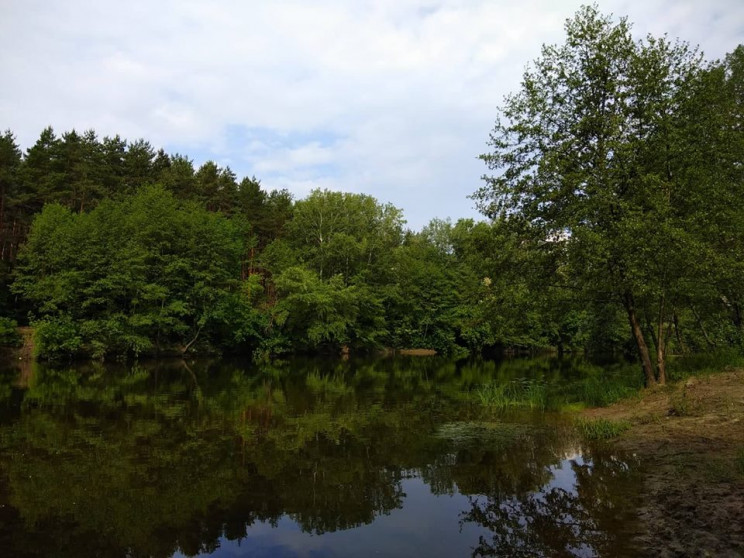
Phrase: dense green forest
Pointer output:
(615, 224)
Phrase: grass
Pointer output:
(597, 390)
(483, 434)
(327, 383)
(681, 405)
(701, 364)
(601, 429)
(522, 393)
(605, 387)
(601, 386)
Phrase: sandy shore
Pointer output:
(690, 438)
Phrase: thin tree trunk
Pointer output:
(661, 345)
(651, 331)
(738, 321)
(648, 369)
(186, 348)
(708, 340)
(677, 334)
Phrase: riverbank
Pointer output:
(690, 439)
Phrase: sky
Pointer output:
(392, 98)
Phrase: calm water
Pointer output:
(311, 458)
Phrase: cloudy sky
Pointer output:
(393, 98)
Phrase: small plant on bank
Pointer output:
(601, 429)
(681, 404)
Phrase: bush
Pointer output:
(9, 335)
(56, 338)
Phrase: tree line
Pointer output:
(615, 223)
(110, 247)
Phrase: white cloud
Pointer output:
(391, 97)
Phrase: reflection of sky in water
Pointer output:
(427, 525)
(564, 478)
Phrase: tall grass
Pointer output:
(602, 388)
(524, 393)
(597, 386)
(601, 429)
(680, 367)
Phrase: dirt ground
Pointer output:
(690, 438)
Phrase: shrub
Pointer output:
(9, 335)
(56, 338)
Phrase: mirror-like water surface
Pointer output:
(314, 458)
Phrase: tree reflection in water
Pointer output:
(585, 509)
(152, 460)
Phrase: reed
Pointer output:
(601, 429)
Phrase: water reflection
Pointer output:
(308, 458)
(580, 511)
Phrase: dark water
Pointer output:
(314, 458)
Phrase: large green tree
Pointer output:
(588, 151)
(351, 235)
(713, 177)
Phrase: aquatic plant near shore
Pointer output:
(517, 393)
(601, 429)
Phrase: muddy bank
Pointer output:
(690, 439)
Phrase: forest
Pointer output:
(613, 205)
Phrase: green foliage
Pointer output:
(601, 387)
(614, 199)
(601, 428)
(317, 313)
(9, 335)
(344, 234)
(523, 392)
(710, 362)
(599, 154)
(56, 337)
(141, 274)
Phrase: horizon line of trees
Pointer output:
(616, 210)
(112, 248)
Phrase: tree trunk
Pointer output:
(648, 369)
(661, 356)
(678, 335)
(708, 340)
(738, 322)
(188, 345)
(661, 345)
(651, 331)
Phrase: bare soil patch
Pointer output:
(416, 352)
(690, 438)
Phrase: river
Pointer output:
(303, 458)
